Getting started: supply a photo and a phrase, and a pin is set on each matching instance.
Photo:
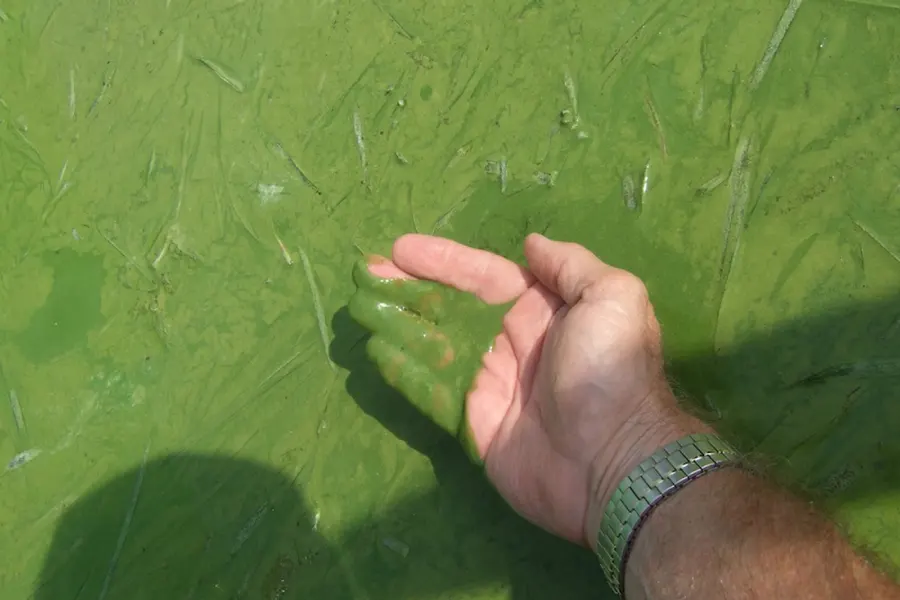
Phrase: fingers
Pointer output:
(527, 321)
(392, 285)
(436, 400)
(566, 269)
(492, 278)
(383, 268)
(412, 333)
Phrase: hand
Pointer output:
(570, 397)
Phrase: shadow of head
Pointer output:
(199, 526)
(204, 527)
(190, 526)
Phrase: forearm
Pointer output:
(731, 535)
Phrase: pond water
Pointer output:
(186, 184)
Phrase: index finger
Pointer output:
(491, 277)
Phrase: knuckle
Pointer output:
(577, 262)
(629, 288)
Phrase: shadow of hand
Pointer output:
(471, 536)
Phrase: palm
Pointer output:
(503, 408)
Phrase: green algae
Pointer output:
(110, 131)
(428, 341)
(71, 309)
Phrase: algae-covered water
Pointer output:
(186, 184)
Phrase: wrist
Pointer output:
(658, 423)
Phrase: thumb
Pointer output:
(566, 269)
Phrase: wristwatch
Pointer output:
(668, 470)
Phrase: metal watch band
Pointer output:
(668, 470)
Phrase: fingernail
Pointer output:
(376, 259)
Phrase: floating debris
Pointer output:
(444, 219)
(574, 120)
(248, 529)
(645, 183)
(656, 122)
(104, 86)
(423, 60)
(887, 367)
(317, 305)
(316, 518)
(360, 144)
(268, 192)
(877, 239)
(72, 93)
(700, 107)
(565, 118)
(401, 102)
(819, 47)
(284, 251)
(461, 152)
(628, 194)
(279, 149)
(397, 24)
(711, 185)
(179, 46)
(22, 458)
(16, 408)
(61, 188)
(395, 545)
(732, 98)
(151, 167)
(62, 174)
(175, 237)
(775, 42)
(3, 16)
(220, 72)
(734, 215)
(553, 131)
(497, 168)
(126, 524)
(401, 159)
(51, 206)
(161, 254)
(548, 179)
(75, 235)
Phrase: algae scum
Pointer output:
(190, 412)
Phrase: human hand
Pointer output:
(570, 397)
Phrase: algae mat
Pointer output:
(184, 185)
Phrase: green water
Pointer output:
(191, 412)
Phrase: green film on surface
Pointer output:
(186, 406)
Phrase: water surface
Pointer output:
(178, 424)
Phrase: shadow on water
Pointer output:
(464, 506)
(209, 527)
(817, 398)
(817, 395)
